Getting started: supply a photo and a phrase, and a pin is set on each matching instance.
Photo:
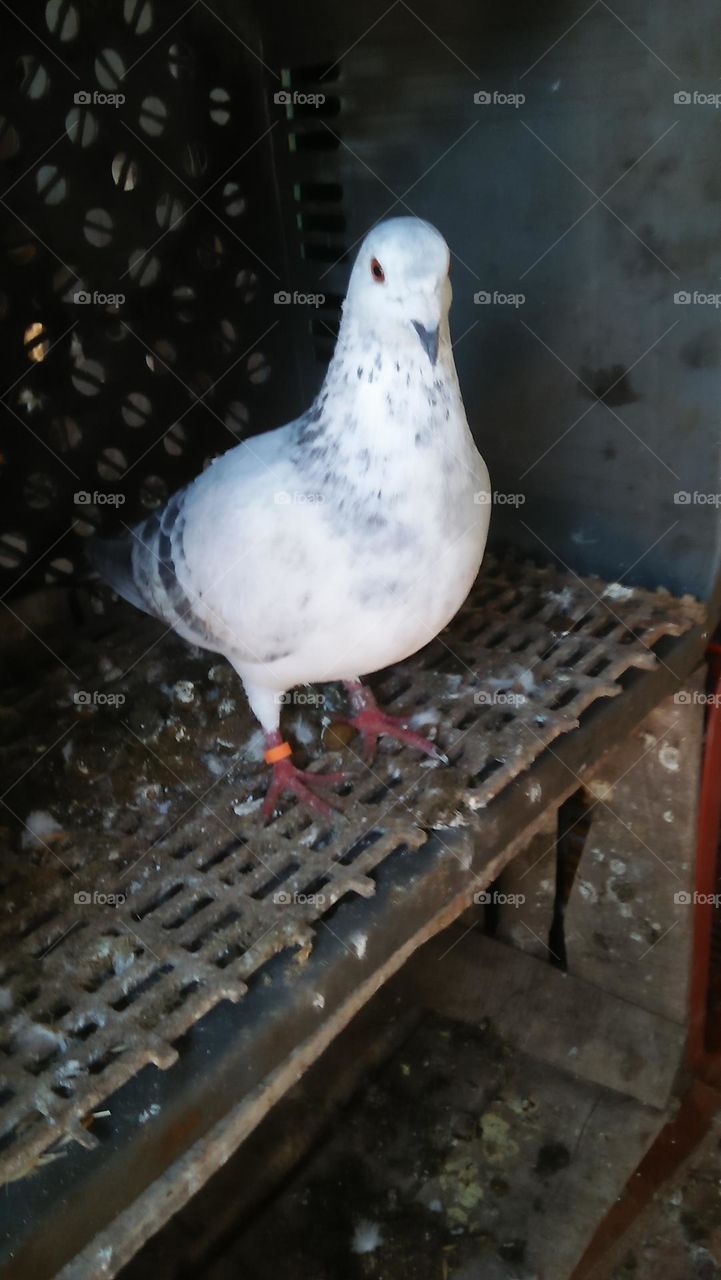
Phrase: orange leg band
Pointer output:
(281, 752)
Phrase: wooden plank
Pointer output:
(626, 928)
(549, 1014)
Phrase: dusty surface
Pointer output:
(462, 1159)
(678, 1237)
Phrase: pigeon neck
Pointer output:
(367, 357)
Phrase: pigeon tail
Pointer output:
(112, 558)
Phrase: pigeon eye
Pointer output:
(377, 271)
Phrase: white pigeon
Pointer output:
(345, 540)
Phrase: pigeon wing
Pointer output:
(143, 568)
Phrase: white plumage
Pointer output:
(347, 539)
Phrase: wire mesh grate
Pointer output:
(139, 886)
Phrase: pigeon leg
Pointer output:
(372, 723)
(285, 777)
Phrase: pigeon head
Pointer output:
(399, 289)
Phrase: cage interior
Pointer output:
(183, 197)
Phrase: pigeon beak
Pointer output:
(429, 340)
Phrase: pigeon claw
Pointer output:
(372, 724)
(287, 779)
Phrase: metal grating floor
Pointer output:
(139, 888)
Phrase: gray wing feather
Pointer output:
(143, 568)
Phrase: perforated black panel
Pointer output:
(135, 165)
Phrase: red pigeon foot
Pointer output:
(286, 778)
(372, 724)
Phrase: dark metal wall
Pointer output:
(595, 400)
(595, 200)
